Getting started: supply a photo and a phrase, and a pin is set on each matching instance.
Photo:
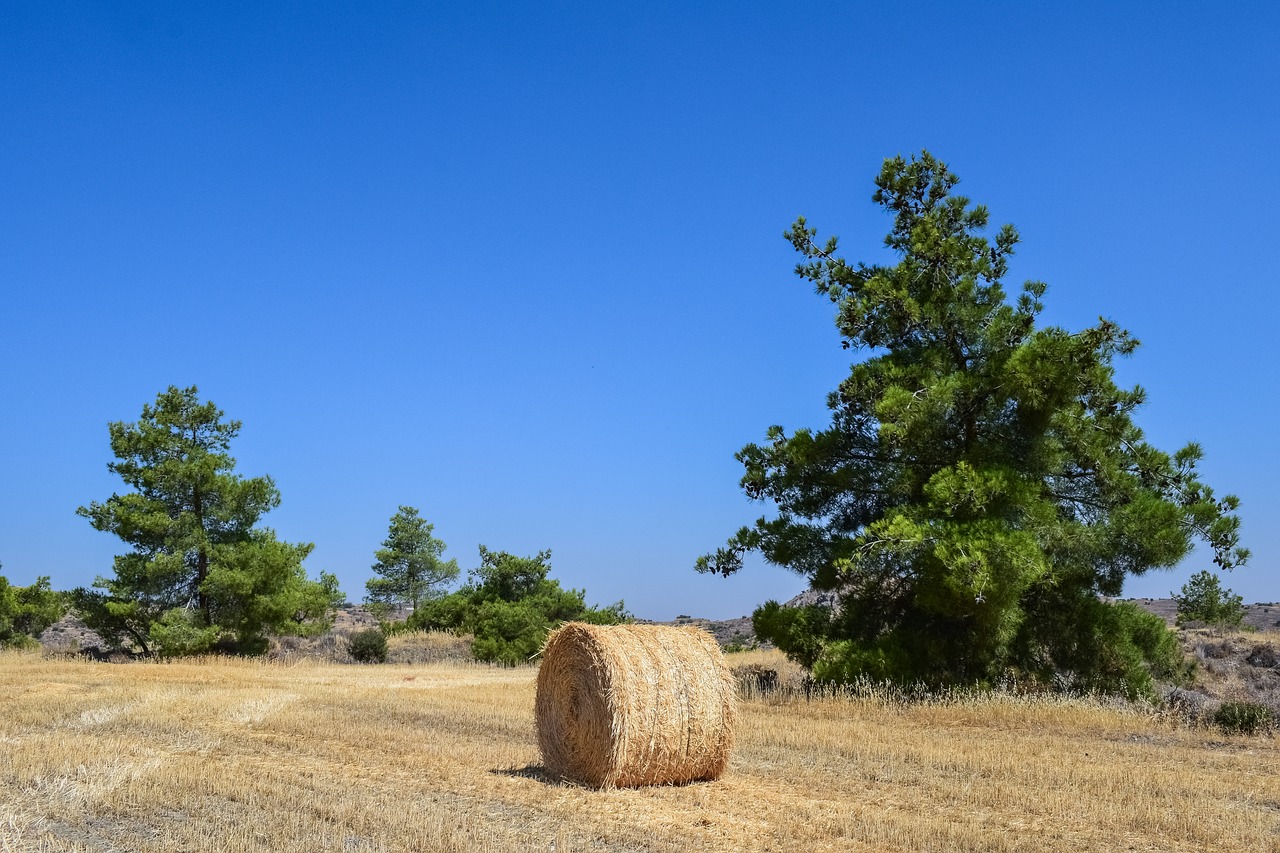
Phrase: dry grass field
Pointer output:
(233, 755)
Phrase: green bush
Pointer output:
(393, 627)
(447, 613)
(369, 646)
(508, 632)
(25, 611)
(178, 633)
(1104, 647)
(509, 607)
(1243, 717)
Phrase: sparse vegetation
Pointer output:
(428, 647)
(1232, 667)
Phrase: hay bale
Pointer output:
(630, 705)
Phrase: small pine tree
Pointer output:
(199, 569)
(1202, 599)
(410, 564)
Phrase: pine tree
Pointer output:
(198, 569)
(982, 485)
(409, 564)
(1202, 599)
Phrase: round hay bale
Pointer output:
(630, 705)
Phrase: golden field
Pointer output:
(235, 755)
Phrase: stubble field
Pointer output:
(234, 755)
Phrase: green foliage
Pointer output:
(447, 613)
(799, 632)
(1093, 645)
(510, 578)
(1202, 599)
(120, 622)
(195, 548)
(610, 614)
(510, 605)
(738, 644)
(369, 646)
(509, 632)
(982, 482)
(178, 632)
(260, 587)
(25, 611)
(409, 563)
(1243, 717)
(392, 628)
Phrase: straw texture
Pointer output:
(631, 705)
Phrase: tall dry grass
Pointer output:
(248, 756)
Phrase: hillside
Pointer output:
(1261, 617)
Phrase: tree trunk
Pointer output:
(202, 561)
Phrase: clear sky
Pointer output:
(521, 265)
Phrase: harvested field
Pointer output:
(247, 756)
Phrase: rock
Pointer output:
(1190, 704)
(1263, 655)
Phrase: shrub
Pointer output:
(509, 632)
(393, 627)
(25, 611)
(1113, 647)
(1243, 717)
(1264, 656)
(509, 608)
(369, 646)
(178, 633)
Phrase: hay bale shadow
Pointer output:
(536, 772)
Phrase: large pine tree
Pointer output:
(982, 487)
(198, 569)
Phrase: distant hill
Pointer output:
(740, 631)
(1264, 616)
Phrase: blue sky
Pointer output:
(521, 265)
